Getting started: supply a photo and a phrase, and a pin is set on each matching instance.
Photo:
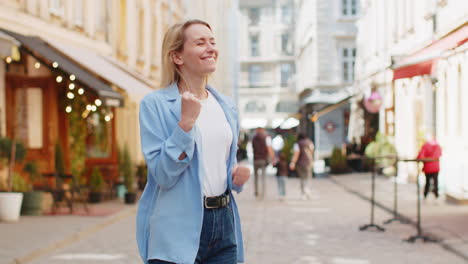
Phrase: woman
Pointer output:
(302, 162)
(187, 213)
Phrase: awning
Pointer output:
(316, 115)
(423, 61)
(45, 53)
(318, 96)
(101, 66)
(6, 45)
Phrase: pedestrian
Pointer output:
(431, 150)
(302, 162)
(282, 171)
(263, 153)
(187, 213)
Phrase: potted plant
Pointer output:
(32, 198)
(10, 199)
(338, 162)
(142, 174)
(96, 184)
(129, 177)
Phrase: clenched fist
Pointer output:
(190, 110)
(240, 175)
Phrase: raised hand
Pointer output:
(190, 110)
(240, 175)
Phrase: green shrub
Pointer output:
(338, 162)
(96, 181)
(127, 170)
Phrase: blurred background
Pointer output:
(340, 71)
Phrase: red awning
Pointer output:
(423, 61)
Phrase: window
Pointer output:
(286, 71)
(103, 9)
(255, 75)
(141, 35)
(286, 14)
(254, 16)
(28, 115)
(348, 60)
(78, 13)
(286, 44)
(349, 7)
(56, 7)
(99, 138)
(286, 107)
(254, 106)
(254, 50)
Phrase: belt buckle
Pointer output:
(206, 205)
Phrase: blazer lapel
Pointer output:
(174, 100)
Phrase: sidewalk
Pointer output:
(34, 236)
(444, 221)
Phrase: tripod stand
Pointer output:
(395, 217)
(419, 234)
(372, 224)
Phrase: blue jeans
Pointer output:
(281, 185)
(217, 239)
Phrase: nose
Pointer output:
(211, 47)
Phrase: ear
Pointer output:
(176, 58)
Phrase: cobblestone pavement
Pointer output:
(323, 229)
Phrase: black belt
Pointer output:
(213, 202)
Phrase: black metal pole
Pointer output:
(364, 227)
(419, 234)
(396, 217)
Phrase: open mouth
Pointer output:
(210, 59)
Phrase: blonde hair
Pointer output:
(173, 41)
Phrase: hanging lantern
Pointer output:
(373, 102)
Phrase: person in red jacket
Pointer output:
(431, 150)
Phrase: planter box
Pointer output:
(10, 206)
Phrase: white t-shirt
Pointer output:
(216, 139)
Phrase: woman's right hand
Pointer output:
(191, 107)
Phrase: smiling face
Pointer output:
(199, 54)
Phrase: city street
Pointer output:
(321, 230)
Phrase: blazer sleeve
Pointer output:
(235, 187)
(162, 152)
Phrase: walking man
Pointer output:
(261, 144)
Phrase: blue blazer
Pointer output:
(170, 211)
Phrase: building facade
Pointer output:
(223, 17)
(414, 53)
(326, 52)
(267, 94)
(76, 75)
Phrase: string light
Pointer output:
(8, 60)
(55, 64)
(68, 109)
(85, 114)
(72, 77)
(107, 118)
(93, 108)
(70, 95)
(89, 107)
(71, 86)
(80, 91)
(59, 79)
(37, 65)
(98, 102)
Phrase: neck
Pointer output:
(194, 84)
